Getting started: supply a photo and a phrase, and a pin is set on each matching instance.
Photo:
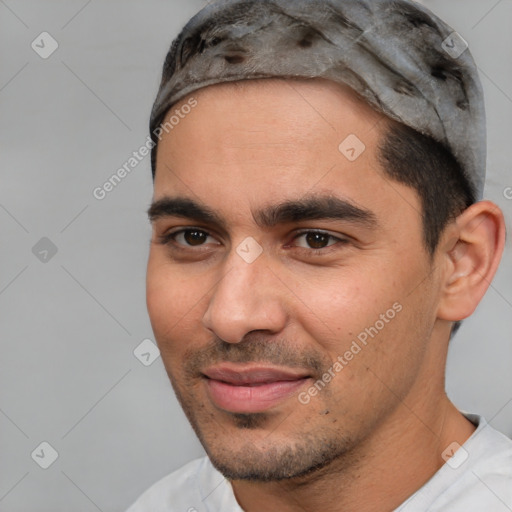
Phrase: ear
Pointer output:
(471, 249)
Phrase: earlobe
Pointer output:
(472, 256)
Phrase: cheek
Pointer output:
(341, 303)
(174, 305)
(371, 305)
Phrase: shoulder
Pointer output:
(477, 477)
(485, 480)
(181, 490)
(487, 453)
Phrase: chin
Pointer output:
(269, 460)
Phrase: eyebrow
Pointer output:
(305, 208)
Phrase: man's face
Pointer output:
(254, 304)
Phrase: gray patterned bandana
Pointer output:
(404, 61)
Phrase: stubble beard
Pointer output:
(271, 457)
(273, 450)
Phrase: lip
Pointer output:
(251, 388)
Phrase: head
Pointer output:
(309, 258)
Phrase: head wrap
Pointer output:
(402, 59)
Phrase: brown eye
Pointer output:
(194, 237)
(187, 238)
(317, 240)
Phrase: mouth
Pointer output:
(251, 388)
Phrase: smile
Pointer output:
(251, 389)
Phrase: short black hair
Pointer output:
(427, 166)
(431, 169)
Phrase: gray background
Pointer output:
(70, 324)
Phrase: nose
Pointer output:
(248, 297)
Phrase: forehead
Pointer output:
(305, 93)
(284, 120)
(270, 140)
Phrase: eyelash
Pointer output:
(170, 239)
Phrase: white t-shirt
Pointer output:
(477, 478)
